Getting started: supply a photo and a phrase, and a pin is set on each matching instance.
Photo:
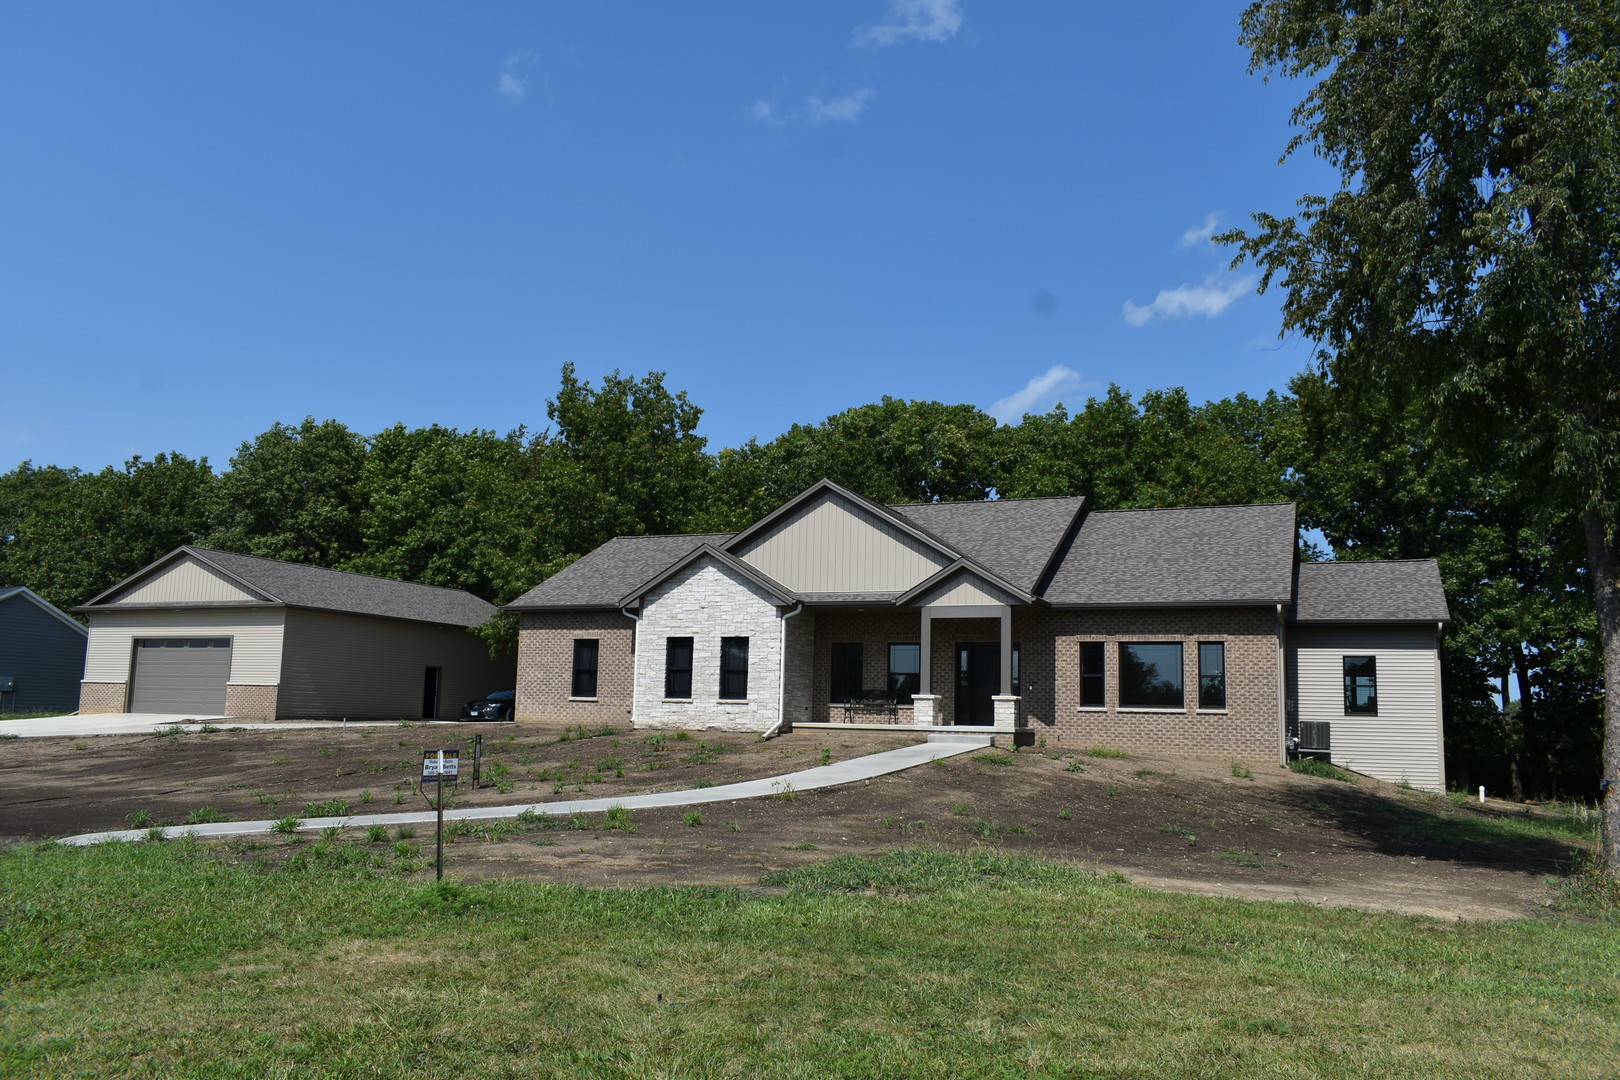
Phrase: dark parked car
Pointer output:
(496, 706)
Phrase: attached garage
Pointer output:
(178, 675)
(213, 633)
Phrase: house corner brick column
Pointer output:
(925, 710)
(102, 697)
(246, 702)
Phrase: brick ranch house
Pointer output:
(1189, 630)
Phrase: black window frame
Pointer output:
(1094, 675)
(1212, 681)
(899, 687)
(1351, 681)
(848, 670)
(678, 675)
(1140, 697)
(587, 661)
(734, 669)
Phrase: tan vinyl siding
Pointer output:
(256, 638)
(967, 591)
(830, 545)
(1401, 743)
(186, 582)
(348, 665)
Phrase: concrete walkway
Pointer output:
(842, 772)
(56, 727)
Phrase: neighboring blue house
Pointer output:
(41, 654)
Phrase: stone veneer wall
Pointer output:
(706, 602)
(1248, 725)
(102, 697)
(545, 671)
(249, 702)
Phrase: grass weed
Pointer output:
(1309, 766)
(1104, 752)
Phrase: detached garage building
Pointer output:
(41, 653)
(211, 633)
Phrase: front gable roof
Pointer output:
(962, 572)
(275, 582)
(21, 594)
(780, 593)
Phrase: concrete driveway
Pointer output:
(55, 727)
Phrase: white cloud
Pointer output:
(514, 81)
(1041, 390)
(1208, 300)
(762, 110)
(1199, 233)
(847, 108)
(914, 20)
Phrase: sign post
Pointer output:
(440, 767)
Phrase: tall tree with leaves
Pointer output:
(1471, 256)
(294, 493)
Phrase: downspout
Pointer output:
(635, 652)
(1282, 687)
(781, 678)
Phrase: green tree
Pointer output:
(1470, 259)
(70, 535)
(293, 493)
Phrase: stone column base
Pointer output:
(102, 697)
(1006, 711)
(925, 710)
(246, 702)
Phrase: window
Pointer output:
(585, 650)
(1212, 675)
(1361, 685)
(1150, 675)
(1093, 690)
(1017, 672)
(905, 668)
(848, 660)
(733, 668)
(678, 667)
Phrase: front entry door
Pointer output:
(978, 680)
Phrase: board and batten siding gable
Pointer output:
(967, 590)
(187, 581)
(256, 637)
(349, 665)
(831, 545)
(1403, 742)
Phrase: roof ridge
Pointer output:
(661, 536)
(1211, 506)
(1366, 562)
(988, 502)
(331, 570)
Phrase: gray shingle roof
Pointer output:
(1398, 591)
(1195, 555)
(600, 578)
(316, 587)
(1011, 537)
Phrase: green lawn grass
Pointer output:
(268, 959)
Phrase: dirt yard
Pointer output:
(1176, 823)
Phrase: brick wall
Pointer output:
(706, 602)
(248, 702)
(102, 697)
(545, 671)
(1248, 726)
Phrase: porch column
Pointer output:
(1004, 703)
(924, 704)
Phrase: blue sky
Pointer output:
(217, 216)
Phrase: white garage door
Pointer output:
(181, 675)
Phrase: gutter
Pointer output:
(781, 677)
(635, 635)
(1282, 685)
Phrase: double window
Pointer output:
(678, 667)
(905, 672)
(1361, 685)
(733, 668)
(1150, 675)
(848, 665)
(585, 657)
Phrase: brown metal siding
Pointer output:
(349, 665)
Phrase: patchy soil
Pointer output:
(1169, 822)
